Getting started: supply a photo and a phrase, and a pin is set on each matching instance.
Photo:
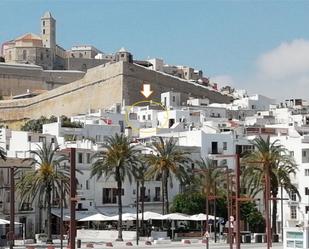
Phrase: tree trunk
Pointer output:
(48, 214)
(274, 213)
(166, 196)
(163, 193)
(119, 193)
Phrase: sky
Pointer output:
(261, 46)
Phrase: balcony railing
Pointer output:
(215, 151)
(157, 198)
(146, 198)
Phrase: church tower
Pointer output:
(48, 30)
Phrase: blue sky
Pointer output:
(226, 39)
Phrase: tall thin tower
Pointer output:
(48, 30)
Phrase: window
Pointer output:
(304, 153)
(291, 153)
(41, 56)
(174, 98)
(80, 157)
(110, 195)
(306, 191)
(157, 194)
(144, 117)
(293, 196)
(87, 185)
(121, 125)
(52, 140)
(306, 209)
(224, 145)
(88, 158)
(24, 54)
(293, 212)
(43, 31)
(306, 172)
(149, 116)
(29, 138)
(42, 139)
(43, 23)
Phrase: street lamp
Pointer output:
(137, 204)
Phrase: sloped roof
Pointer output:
(28, 36)
(47, 14)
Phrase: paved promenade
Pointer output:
(166, 246)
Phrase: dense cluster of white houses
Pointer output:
(203, 129)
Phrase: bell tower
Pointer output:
(48, 30)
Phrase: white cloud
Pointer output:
(285, 61)
(282, 72)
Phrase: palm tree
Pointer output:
(2, 154)
(118, 159)
(209, 181)
(44, 180)
(272, 159)
(167, 160)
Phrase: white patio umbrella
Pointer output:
(176, 216)
(125, 217)
(95, 217)
(150, 216)
(202, 217)
(7, 222)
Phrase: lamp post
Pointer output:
(137, 220)
(73, 198)
(61, 214)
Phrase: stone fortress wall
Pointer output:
(101, 87)
(135, 76)
(16, 79)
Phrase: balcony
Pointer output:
(214, 151)
(146, 199)
(157, 198)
